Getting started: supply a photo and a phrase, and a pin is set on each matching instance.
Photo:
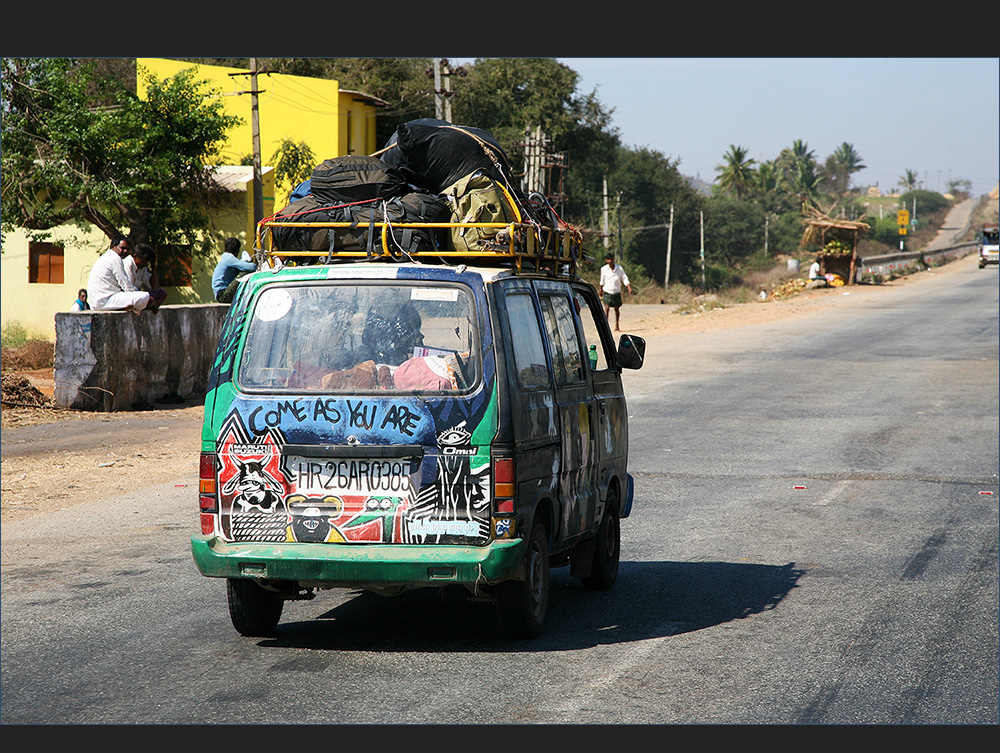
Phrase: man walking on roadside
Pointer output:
(613, 277)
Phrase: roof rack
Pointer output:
(524, 247)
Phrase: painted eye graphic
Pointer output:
(453, 436)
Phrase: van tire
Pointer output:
(607, 552)
(254, 611)
(522, 604)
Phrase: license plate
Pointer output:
(375, 476)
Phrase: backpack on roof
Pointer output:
(477, 198)
(354, 178)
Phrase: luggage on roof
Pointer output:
(435, 154)
(361, 225)
(353, 178)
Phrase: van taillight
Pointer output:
(208, 501)
(503, 485)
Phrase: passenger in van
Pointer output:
(391, 333)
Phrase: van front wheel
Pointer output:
(522, 604)
(254, 611)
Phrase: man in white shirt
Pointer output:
(816, 279)
(138, 266)
(613, 277)
(109, 286)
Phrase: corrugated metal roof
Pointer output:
(235, 177)
(362, 97)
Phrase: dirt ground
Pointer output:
(56, 459)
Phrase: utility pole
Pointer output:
(438, 99)
(258, 183)
(607, 240)
(702, 251)
(621, 253)
(442, 94)
(670, 243)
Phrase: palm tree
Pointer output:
(908, 181)
(840, 166)
(799, 153)
(800, 172)
(736, 175)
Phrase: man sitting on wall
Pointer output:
(109, 286)
(139, 268)
(229, 271)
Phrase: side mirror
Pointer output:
(631, 350)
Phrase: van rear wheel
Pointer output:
(604, 571)
(254, 611)
(522, 604)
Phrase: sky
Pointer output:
(939, 117)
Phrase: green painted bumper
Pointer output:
(360, 565)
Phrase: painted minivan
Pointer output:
(390, 426)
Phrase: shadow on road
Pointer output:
(650, 600)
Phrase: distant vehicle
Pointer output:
(989, 246)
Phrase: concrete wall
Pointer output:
(34, 305)
(115, 360)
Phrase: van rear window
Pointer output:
(348, 338)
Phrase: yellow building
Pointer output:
(40, 278)
(314, 111)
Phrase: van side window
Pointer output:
(529, 352)
(567, 359)
(590, 315)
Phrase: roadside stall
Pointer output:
(837, 238)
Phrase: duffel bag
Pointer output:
(306, 209)
(365, 230)
(435, 154)
(353, 178)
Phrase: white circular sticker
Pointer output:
(273, 304)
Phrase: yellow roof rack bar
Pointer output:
(519, 245)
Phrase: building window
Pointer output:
(173, 263)
(45, 263)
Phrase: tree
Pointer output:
(734, 230)
(129, 165)
(736, 174)
(293, 163)
(959, 186)
(649, 184)
(840, 166)
(800, 172)
(508, 96)
(908, 180)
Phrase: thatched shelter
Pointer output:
(838, 239)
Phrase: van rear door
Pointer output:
(363, 413)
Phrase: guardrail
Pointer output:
(911, 261)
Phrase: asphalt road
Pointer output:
(814, 541)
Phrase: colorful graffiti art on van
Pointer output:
(268, 493)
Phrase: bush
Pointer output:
(14, 334)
